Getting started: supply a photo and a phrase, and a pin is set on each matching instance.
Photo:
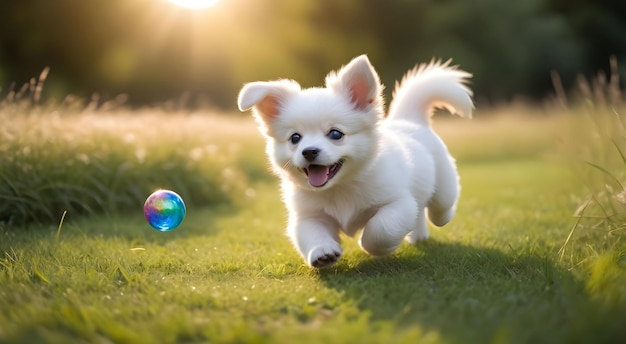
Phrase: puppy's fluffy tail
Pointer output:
(429, 86)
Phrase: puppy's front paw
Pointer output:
(414, 237)
(322, 257)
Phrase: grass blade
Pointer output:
(619, 151)
(606, 172)
(579, 216)
(61, 225)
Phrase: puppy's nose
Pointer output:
(311, 153)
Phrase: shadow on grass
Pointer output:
(471, 294)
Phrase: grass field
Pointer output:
(506, 270)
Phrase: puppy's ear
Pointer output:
(266, 98)
(358, 81)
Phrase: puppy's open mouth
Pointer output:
(319, 175)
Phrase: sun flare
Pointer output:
(195, 4)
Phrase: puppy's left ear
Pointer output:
(359, 81)
(266, 98)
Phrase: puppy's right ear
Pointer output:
(266, 98)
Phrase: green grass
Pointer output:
(499, 273)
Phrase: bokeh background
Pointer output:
(153, 51)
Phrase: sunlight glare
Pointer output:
(195, 4)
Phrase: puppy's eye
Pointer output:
(295, 138)
(335, 135)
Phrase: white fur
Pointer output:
(394, 172)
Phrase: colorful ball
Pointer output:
(164, 210)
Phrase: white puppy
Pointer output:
(345, 167)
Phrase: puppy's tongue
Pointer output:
(318, 175)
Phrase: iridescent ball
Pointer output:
(164, 210)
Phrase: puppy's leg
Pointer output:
(385, 231)
(420, 233)
(442, 206)
(440, 217)
(317, 240)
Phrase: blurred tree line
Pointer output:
(154, 51)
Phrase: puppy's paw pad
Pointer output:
(324, 258)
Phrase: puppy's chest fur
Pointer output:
(350, 220)
(349, 208)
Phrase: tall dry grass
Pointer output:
(91, 156)
(596, 143)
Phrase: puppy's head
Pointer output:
(318, 137)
